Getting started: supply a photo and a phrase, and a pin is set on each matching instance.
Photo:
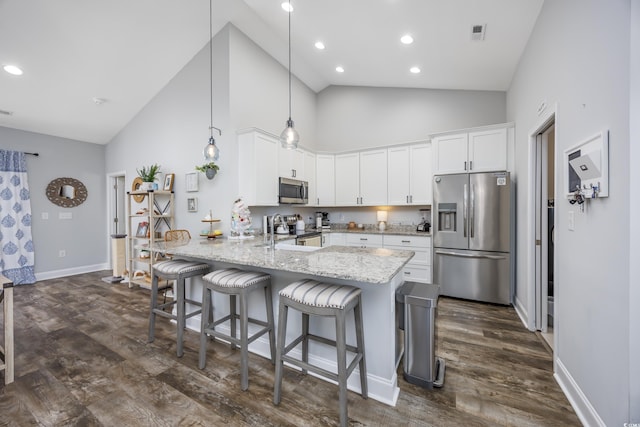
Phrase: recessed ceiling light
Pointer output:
(339, 69)
(406, 39)
(12, 69)
(414, 70)
(319, 45)
(287, 6)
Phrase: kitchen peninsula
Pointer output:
(377, 271)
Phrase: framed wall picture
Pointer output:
(168, 182)
(191, 181)
(192, 204)
(143, 228)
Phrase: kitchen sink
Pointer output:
(292, 247)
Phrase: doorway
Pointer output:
(544, 211)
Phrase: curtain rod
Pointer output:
(33, 154)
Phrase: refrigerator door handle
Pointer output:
(495, 257)
(472, 209)
(464, 210)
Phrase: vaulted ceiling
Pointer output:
(125, 51)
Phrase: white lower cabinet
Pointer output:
(364, 240)
(419, 268)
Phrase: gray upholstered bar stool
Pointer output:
(311, 297)
(178, 270)
(236, 283)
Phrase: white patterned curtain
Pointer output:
(16, 246)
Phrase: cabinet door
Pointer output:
(450, 154)
(310, 176)
(398, 175)
(291, 163)
(258, 168)
(373, 177)
(488, 150)
(420, 167)
(325, 180)
(347, 179)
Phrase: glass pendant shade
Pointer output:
(211, 151)
(289, 137)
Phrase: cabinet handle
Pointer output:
(408, 273)
(406, 241)
(364, 238)
(411, 199)
(465, 165)
(470, 164)
(318, 200)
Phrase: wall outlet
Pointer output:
(62, 253)
(571, 221)
(65, 215)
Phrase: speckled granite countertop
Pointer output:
(374, 265)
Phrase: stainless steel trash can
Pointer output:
(420, 364)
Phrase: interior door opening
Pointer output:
(544, 233)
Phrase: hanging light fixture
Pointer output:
(211, 151)
(289, 137)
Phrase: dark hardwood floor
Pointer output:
(82, 359)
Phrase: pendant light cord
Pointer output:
(211, 65)
(290, 62)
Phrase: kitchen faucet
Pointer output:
(272, 242)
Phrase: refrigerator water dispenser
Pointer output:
(447, 213)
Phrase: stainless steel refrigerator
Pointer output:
(472, 236)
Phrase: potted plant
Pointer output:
(148, 176)
(209, 169)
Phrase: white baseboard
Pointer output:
(46, 275)
(383, 390)
(522, 313)
(584, 410)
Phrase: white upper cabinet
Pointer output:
(258, 167)
(409, 175)
(347, 175)
(325, 180)
(310, 177)
(373, 177)
(488, 150)
(291, 163)
(477, 151)
(361, 178)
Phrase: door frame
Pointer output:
(546, 119)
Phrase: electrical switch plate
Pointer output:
(571, 221)
(65, 215)
(45, 215)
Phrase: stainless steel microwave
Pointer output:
(293, 191)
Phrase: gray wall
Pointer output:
(85, 236)
(634, 249)
(578, 57)
(351, 118)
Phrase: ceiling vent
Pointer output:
(477, 32)
(6, 113)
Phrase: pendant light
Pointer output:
(289, 137)
(211, 151)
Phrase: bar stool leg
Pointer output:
(357, 314)
(154, 304)
(341, 340)
(232, 313)
(244, 342)
(180, 312)
(282, 332)
(204, 317)
(272, 331)
(305, 340)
